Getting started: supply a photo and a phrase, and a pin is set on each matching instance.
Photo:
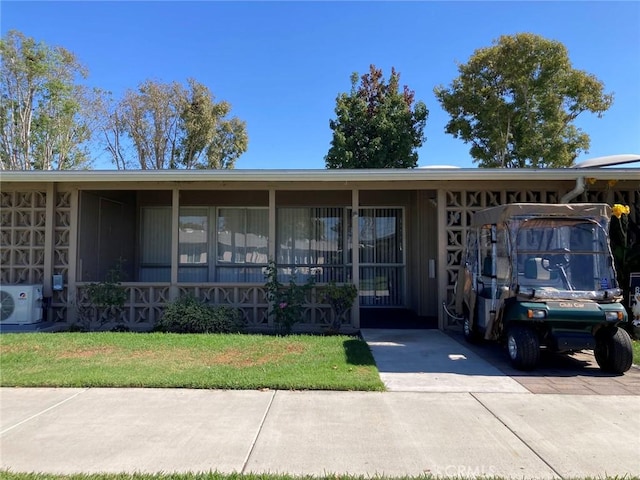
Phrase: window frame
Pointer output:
(217, 265)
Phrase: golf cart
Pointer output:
(541, 276)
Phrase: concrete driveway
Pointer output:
(435, 361)
(432, 361)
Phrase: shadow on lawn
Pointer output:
(357, 352)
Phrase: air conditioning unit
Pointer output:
(20, 304)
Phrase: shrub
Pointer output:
(286, 303)
(190, 315)
(106, 300)
(341, 298)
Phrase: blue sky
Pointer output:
(281, 65)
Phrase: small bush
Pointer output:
(341, 298)
(106, 300)
(190, 315)
(286, 304)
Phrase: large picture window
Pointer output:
(243, 244)
(214, 245)
(193, 245)
(310, 243)
(313, 242)
(231, 245)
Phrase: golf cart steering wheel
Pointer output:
(556, 259)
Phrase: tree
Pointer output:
(113, 132)
(377, 126)
(171, 126)
(209, 140)
(515, 103)
(43, 122)
(150, 118)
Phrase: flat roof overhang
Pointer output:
(303, 176)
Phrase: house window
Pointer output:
(193, 245)
(243, 244)
(240, 248)
(155, 244)
(231, 245)
(313, 242)
(310, 243)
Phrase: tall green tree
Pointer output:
(516, 101)
(377, 125)
(170, 126)
(43, 122)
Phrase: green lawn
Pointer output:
(238, 361)
(636, 352)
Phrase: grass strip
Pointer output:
(250, 476)
(162, 360)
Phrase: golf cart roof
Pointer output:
(503, 213)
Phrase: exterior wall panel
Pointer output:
(313, 198)
(224, 198)
(61, 256)
(22, 237)
(423, 255)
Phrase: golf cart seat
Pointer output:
(535, 275)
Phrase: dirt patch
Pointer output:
(238, 357)
(89, 352)
(143, 355)
(9, 349)
(252, 356)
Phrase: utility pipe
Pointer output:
(578, 189)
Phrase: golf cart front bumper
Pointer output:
(569, 325)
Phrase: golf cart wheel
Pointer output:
(469, 331)
(614, 351)
(523, 347)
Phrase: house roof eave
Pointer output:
(360, 175)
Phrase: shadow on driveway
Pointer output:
(576, 373)
(432, 360)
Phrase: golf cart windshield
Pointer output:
(563, 258)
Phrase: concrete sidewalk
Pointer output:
(516, 435)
